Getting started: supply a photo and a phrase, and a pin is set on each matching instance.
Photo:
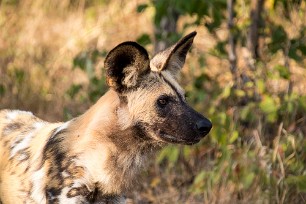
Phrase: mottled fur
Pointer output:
(95, 157)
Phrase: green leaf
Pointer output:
(162, 155)
(141, 8)
(283, 71)
(298, 181)
(219, 50)
(279, 38)
(245, 113)
(302, 48)
(200, 177)
(222, 118)
(174, 155)
(19, 75)
(302, 103)
(86, 60)
(268, 105)
(187, 151)
(144, 39)
(239, 93)
(74, 90)
(171, 153)
(234, 136)
(248, 180)
(198, 82)
(260, 84)
(2, 90)
(80, 60)
(226, 92)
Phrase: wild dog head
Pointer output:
(150, 97)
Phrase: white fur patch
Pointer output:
(21, 145)
(125, 120)
(39, 125)
(89, 160)
(62, 127)
(77, 199)
(22, 157)
(167, 75)
(13, 114)
(38, 194)
(65, 174)
(25, 142)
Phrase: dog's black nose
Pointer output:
(203, 126)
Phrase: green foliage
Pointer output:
(283, 71)
(18, 75)
(219, 50)
(279, 38)
(202, 8)
(170, 153)
(2, 90)
(144, 39)
(298, 181)
(73, 90)
(87, 61)
(141, 7)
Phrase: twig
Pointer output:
(253, 34)
(231, 39)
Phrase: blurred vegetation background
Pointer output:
(246, 72)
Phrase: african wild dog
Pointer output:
(95, 157)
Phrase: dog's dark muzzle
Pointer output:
(183, 125)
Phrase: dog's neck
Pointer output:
(113, 154)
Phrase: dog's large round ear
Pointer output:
(125, 64)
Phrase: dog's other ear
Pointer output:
(125, 64)
(173, 58)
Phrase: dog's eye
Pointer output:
(162, 102)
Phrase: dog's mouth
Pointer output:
(172, 139)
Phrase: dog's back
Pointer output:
(21, 138)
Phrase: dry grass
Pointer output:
(39, 39)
